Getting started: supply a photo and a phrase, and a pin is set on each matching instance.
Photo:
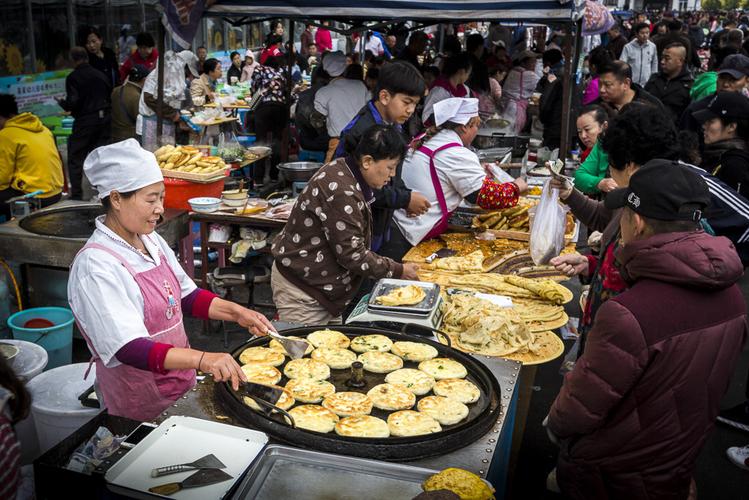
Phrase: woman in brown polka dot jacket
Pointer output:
(323, 253)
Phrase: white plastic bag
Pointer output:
(549, 223)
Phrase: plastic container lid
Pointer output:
(31, 359)
(56, 391)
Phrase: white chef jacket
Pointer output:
(459, 171)
(339, 101)
(105, 299)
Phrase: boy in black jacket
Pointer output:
(399, 89)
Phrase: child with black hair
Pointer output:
(399, 88)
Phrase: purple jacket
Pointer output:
(636, 409)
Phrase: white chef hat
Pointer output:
(122, 167)
(456, 109)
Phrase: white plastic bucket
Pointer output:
(30, 361)
(55, 406)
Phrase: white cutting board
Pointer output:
(185, 439)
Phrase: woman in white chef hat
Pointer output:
(128, 293)
(441, 166)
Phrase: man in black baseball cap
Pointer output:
(661, 193)
(125, 101)
(680, 324)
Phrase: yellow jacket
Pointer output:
(28, 157)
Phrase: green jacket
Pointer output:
(592, 171)
(704, 85)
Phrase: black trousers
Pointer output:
(9, 193)
(88, 134)
(270, 119)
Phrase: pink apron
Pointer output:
(441, 226)
(140, 394)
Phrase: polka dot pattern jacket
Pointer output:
(324, 249)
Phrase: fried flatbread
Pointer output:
(338, 359)
(444, 410)
(314, 418)
(348, 404)
(307, 390)
(459, 389)
(262, 374)
(402, 296)
(365, 426)
(442, 368)
(412, 423)
(380, 362)
(366, 343)
(391, 397)
(415, 381)
(329, 338)
(307, 368)
(414, 351)
(261, 355)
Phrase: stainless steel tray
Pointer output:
(284, 472)
(385, 285)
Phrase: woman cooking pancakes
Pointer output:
(128, 293)
(441, 166)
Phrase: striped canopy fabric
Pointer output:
(418, 10)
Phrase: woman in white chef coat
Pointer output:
(441, 166)
(128, 293)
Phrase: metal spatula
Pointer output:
(206, 462)
(295, 348)
(203, 477)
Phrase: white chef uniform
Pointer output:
(458, 169)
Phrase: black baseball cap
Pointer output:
(731, 105)
(736, 65)
(663, 190)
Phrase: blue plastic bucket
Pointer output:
(57, 340)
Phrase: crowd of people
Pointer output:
(662, 119)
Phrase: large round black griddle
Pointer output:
(482, 415)
(69, 222)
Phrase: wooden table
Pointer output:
(205, 220)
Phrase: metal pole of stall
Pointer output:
(289, 65)
(160, 93)
(142, 15)
(71, 23)
(571, 56)
(108, 20)
(30, 34)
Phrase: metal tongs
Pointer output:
(295, 348)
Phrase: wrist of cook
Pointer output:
(146, 354)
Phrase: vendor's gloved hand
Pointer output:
(255, 322)
(552, 437)
(223, 367)
(570, 264)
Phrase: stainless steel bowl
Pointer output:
(299, 171)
